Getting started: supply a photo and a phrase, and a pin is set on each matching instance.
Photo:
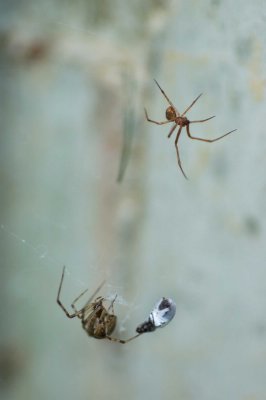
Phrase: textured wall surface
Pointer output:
(88, 183)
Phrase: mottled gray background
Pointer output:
(74, 78)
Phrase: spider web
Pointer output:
(30, 247)
(42, 253)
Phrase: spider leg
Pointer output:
(172, 130)
(202, 120)
(169, 101)
(112, 339)
(112, 305)
(155, 122)
(77, 312)
(191, 105)
(94, 294)
(73, 304)
(177, 152)
(59, 301)
(207, 140)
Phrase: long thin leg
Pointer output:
(112, 339)
(191, 105)
(155, 122)
(202, 120)
(171, 130)
(94, 294)
(177, 152)
(59, 301)
(74, 302)
(76, 313)
(112, 304)
(208, 140)
(169, 101)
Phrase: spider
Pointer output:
(173, 115)
(97, 321)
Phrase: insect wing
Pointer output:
(163, 312)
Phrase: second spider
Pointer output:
(181, 121)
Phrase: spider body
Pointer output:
(96, 320)
(181, 121)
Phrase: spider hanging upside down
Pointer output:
(173, 115)
(100, 323)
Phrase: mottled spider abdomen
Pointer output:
(99, 323)
(170, 113)
(110, 323)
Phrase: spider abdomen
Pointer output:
(170, 113)
(99, 324)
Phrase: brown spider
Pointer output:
(173, 115)
(97, 321)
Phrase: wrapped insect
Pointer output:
(162, 313)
